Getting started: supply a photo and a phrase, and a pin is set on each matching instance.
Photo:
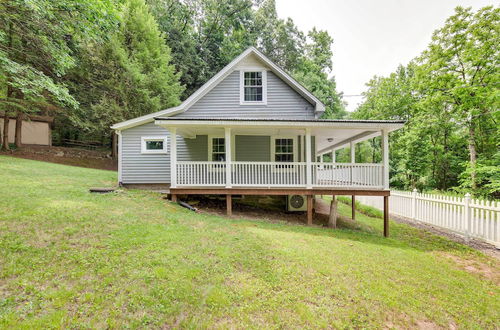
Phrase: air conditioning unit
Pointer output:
(296, 203)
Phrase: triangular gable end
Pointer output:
(249, 57)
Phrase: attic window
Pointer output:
(253, 87)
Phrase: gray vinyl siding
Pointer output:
(155, 168)
(252, 148)
(223, 101)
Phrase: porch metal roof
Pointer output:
(360, 121)
(331, 134)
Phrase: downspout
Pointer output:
(119, 133)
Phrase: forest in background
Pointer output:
(92, 63)
(95, 63)
(449, 96)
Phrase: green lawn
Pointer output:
(69, 258)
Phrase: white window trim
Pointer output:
(210, 145)
(264, 87)
(273, 147)
(144, 139)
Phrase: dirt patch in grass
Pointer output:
(483, 269)
(66, 156)
(473, 243)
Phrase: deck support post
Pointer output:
(227, 142)
(173, 198)
(353, 207)
(385, 158)
(229, 205)
(309, 209)
(173, 157)
(386, 216)
(332, 218)
(308, 149)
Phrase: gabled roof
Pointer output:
(210, 84)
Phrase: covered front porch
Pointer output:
(293, 159)
(290, 155)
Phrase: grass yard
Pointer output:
(69, 258)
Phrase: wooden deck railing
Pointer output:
(274, 174)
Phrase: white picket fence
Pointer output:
(463, 215)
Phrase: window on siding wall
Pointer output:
(253, 87)
(218, 149)
(153, 145)
(283, 150)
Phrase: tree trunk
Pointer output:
(19, 127)
(473, 156)
(332, 218)
(5, 145)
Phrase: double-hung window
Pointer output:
(283, 150)
(218, 152)
(253, 87)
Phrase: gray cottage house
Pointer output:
(251, 130)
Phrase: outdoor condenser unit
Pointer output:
(296, 203)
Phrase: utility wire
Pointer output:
(427, 90)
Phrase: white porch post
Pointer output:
(173, 157)
(308, 149)
(227, 141)
(333, 156)
(385, 158)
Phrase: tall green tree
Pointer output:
(129, 76)
(461, 68)
(313, 70)
(449, 97)
(37, 39)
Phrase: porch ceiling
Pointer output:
(330, 134)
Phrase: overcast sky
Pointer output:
(372, 37)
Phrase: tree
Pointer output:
(128, 76)
(313, 70)
(449, 98)
(36, 39)
(279, 39)
(461, 68)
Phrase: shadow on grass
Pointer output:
(365, 229)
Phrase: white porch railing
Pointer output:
(268, 174)
(348, 175)
(274, 174)
(201, 174)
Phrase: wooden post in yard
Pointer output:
(332, 219)
(353, 207)
(229, 205)
(386, 216)
(309, 209)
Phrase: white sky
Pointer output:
(372, 37)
